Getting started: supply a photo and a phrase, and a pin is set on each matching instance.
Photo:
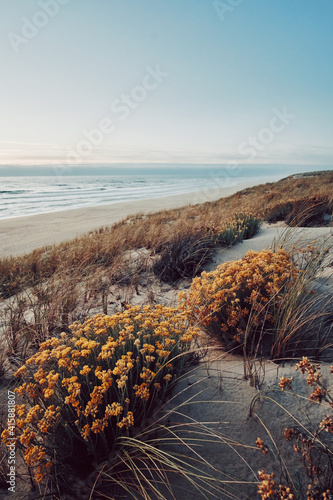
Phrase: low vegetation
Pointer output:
(184, 257)
(264, 304)
(238, 301)
(89, 385)
(104, 248)
(83, 391)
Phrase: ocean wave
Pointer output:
(14, 191)
(29, 195)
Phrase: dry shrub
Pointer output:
(306, 212)
(312, 443)
(38, 313)
(309, 212)
(279, 212)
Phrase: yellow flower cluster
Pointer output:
(101, 378)
(225, 299)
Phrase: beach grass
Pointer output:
(87, 391)
(105, 247)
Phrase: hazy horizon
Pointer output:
(181, 169)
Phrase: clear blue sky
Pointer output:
(227, 74)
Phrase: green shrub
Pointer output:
(249, 223)
(242, 228)
(231, 235)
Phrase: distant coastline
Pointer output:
(21, 235)
(29, 194)
(201, 169)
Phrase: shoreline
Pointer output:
(42, 197)
(22, 235)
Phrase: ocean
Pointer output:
(34, 190)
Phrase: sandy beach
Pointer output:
(22, 235)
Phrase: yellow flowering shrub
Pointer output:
(237, 300)
(82, 391)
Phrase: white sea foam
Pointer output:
(33, 194)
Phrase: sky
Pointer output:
(166, 81)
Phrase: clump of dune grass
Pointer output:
(102, 248)
(301, 325)
(306, 212)
(38, 313)
(184, 257)
(144, 468)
